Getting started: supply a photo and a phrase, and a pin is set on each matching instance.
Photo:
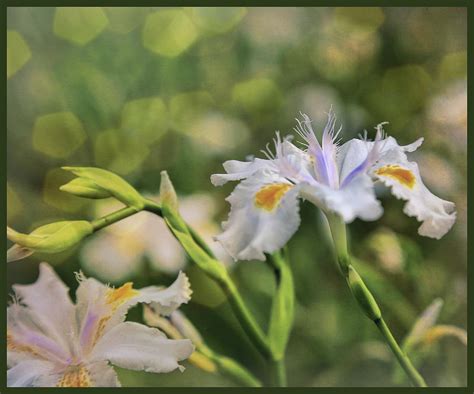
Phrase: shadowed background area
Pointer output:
(139, 90)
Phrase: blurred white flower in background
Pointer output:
(447, 116)
(119, 251)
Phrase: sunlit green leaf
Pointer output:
(169, 32)
(125, 19)
(58, 135)
(256, 95)
(146, 119)
(119, 151)
(364, 18)
(14, 204)
(18, 52)
(186, 108)
(79, 25)
(217, 19)
(453, 66)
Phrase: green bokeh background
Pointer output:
(139, 90)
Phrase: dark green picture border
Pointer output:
(385, 3)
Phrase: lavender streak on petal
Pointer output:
(44, 343)
(88, 328)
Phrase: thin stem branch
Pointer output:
(231, 368)
(279, 373)
(245, 317)
(402, 358)
(366, 299)
(222, 278)
(113, 218)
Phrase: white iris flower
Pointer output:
(53, 342)
(338, 179)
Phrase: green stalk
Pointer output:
(365, 298)
(245, 317)
(278, 371)
(230, 368)
(402, 358)
(282, 314)
(112, 218)
(203, 258)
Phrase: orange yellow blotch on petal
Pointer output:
(269, 196)
(13, 346)
(116, 297)
(402, 175)
(75, 376)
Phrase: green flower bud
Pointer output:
(168, 195)
(282, 312)
(84, 187)
(190, 243)
(112, 183)
(169, 204)
(363, 295)
(50, 238)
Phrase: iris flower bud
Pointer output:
(102, 180)
(50, 238)
(84, 187)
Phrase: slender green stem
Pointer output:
(365, 298)
(113, 218)
(279, 373)
(402, 358)
(230, 368)
(203, 257)
(207, 359)
(201, 242)
(282, 314)
(245, 317)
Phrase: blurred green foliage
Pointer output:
(139, 90)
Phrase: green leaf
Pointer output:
(112, 183)
(169, 32)
(282, 313)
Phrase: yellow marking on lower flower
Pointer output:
(117, 297)
(269, 196)
(13, 346)
(402, 175)
(75, 376)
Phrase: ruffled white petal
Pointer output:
(32, 373)
(137, 347)
(250, 231)
(102, 375)
(167, 300)
(237, 170)
(354, 152)
(93, 308)
(356, 200)
(437, 215)
(49, 303)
